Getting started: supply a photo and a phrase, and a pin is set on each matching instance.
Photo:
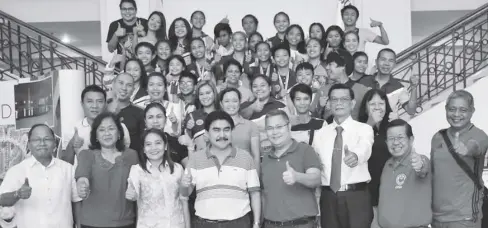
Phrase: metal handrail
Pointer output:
(442, 33)
(51, 37)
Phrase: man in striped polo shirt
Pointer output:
(224, 177)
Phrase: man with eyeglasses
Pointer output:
(344, 147)
(406, 180)
(336, 65)
(41, 188)
(121, 32)
(289, 176)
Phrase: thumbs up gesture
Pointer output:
(350, 158)
(323, 99)
(83, 186)
(417, 162)
(248, 57)
(191, 122)
(172, 116)
(77, 140)
(258, 105)
(186, 179)
(25, 190)
(459, 146)
(274, 77)
(375, 23)
(131, 194)
(289, 176)
(120, 31)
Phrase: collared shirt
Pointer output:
(452, 188)
(223, 189)
(288, 202)
(303, 132)
(366, 36)
(275, 41)
(243, 133)
(359, 139)
(401, 185)
(53, 190)
(359, 91)
(389, 87)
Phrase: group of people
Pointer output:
(192, 132)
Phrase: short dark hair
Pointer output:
(264, 77)
(156, 74)
(146, 45)
(302, 88)
(350, 7)
(218, 115)
(341, 86)
(133, 2)
(228, 90)
(254, 18)
(177, 57)
(233, 62)
(154, 105)
(95, 89)
(277, 112)
(200, 12)
(386, 50)
(305, 66)
(335, 57)
(281, 13)
(359, 54)
(29, 134)
(190, 75)
(222, 27)
(94, 143)
(399, 123)
(282, 46)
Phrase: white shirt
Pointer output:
(53, 190)
(359, 139)
(365, 36)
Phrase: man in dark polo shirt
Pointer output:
(406, 182)
(457, 201)
(384, 80)
(289, 175)
(131, 115)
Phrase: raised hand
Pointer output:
(186, 179)
(25, 190)
(375, 23)
(185, 140)
(139, 29)
(416, 161)
(323, 99)
(258, 106)
(414, 80)
(172, 116)
(120, 32)
(131, 194)
(350, 158)
(289, 176)
(77, 140)
(191, 122)
(248, 57)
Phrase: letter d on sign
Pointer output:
(6, 111)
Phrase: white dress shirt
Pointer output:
(53, 190)
(359, 139)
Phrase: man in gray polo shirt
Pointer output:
(406, 182)
(289, 175)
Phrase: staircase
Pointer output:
(26, 51)
(448, 60)
(445, 61)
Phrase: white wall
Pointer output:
(434, 119)
(441, 5)
(52, 10)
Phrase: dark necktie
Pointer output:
(335, 174)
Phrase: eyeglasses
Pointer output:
(278, 127)
(336, 100)
(38, 141)
(127, 9)
(393, 139)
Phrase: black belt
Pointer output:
(215, 221)
(350, 187)
(296, 222)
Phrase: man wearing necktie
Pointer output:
(344, 147)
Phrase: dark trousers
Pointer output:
(347, 209)
(242, 222)
(129, 226)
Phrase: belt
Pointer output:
(214, 221)
(349, 187)
(296, 222)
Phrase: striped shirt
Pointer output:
(223, 189)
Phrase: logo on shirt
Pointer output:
(400, 180)
(193, 72)
(199, 122)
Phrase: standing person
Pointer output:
(344, 147)
(384, 80)
(225, 179)
(233, 79)
(198, 20)
(156, 29)
(250, 24)
(101, 176)
(154, 184)
(289, 175)
(406, 180)
(93, 102)
(129, 114)
(360, 66)
(41, 186)
(179, 35)
(457, 198)
(120, 35)
(350, 15)
(281, 22)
